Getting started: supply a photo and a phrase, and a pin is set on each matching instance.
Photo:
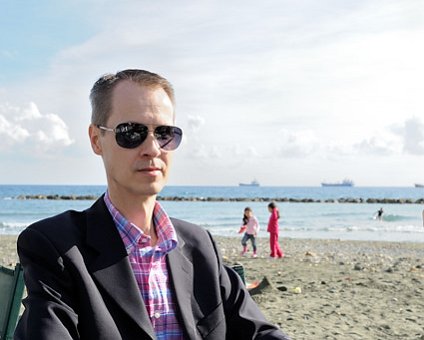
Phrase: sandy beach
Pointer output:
(329, 289)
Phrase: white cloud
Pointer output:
(382, 143)
(412, 135)
(375, 146)
(11, 133)
(296, 144)
(195, 122)
(241, 152)
(396, 139)
(199, 151)
(27, 129)
(215, 152)
(203, 152)
(237, 152)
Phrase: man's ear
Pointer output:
(94, 135)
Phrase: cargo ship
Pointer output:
(344, 183)
(254, 183)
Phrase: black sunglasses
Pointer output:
(131, 135)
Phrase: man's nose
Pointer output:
(150, 147)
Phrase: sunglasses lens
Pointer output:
(168, 137)
(130, 135)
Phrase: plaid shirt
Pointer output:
(149, 267)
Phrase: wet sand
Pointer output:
(329, 289)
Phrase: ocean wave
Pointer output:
(339, 214)
(395, 218)
(12, 227)
(355, 228)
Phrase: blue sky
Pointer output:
(288, 92)
(33, 32)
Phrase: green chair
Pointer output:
(239, 269)
(11, 292)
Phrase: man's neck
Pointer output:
(138, 211)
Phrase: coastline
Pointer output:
(352, 200)
(328, 288)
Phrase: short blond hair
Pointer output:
(101, 93)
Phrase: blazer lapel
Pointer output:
(181, 273)
(111, 267)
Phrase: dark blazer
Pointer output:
(81, 286)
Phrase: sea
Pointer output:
(318, 220)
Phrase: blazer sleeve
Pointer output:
(243, 317)
(49, 313)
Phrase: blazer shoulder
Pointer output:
(60, 229)
(188, 227)
(65, 223)
(59, 222)
(191, 233)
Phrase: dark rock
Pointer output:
(282, 288)
(358, 266)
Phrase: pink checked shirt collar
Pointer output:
(133, 235)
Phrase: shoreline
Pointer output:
(351, 200)
(329, 289)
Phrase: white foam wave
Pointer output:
(12, 227)
(355, 228)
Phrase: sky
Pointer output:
(288, 92)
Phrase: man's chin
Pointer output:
(153, 189)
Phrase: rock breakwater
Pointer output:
(239, 199)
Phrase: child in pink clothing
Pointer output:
(273, 231)
(251, 226)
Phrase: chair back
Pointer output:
(11, 292)
(239, 269)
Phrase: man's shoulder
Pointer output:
(64, 221)
(61, 231)
(185, 226)
(64, 218)
(190, 231)
(57, 227)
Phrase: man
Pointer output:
(123, 269)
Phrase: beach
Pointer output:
(328, 289)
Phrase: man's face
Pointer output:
(142, 171)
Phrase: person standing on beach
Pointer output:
(273, 231)
(123, 269)
(251, 225)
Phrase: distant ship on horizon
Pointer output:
(344, 183)
(254, 183)
(418, 185)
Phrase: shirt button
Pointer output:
(157, 315)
